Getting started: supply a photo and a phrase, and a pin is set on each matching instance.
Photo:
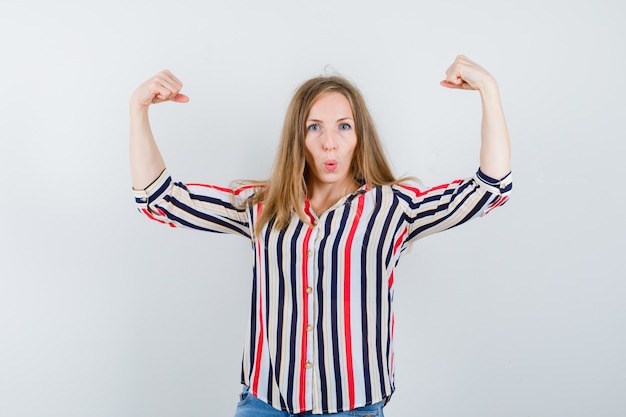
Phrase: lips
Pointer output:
(330, 165)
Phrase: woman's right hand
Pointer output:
(164, 86)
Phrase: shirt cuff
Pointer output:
(153, 191)
(501, 186)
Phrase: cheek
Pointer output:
(308, 143)
(307, 147)
(352, 147)
(308, 157)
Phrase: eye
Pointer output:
(313, 128)
(345, 126)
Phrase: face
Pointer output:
(330, 142)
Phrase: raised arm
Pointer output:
(146, 162)
(495, 149)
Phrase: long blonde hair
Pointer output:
(283, 194)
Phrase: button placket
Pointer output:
(309, 327)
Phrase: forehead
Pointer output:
(331, 104)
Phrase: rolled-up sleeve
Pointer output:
(500, 190)
(196, 206)
(448, 205)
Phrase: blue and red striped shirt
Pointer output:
(321, 322)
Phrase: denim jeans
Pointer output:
(250, 406)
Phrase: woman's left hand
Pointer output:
(467, 75)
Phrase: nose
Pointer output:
(330, 142)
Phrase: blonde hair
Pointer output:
(283, 194)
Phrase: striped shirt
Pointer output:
(321, 322)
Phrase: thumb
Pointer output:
(180, 98)
(449, 84)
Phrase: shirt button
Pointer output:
(309, 328)
(309, 253)
(308, 365)
(309, 290)
(315, 222)
(143, 200)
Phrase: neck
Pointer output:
(324, 196)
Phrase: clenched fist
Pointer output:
(164, 86)
(467, 75)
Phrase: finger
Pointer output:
(165, 90)
(162, 93)
(453, 73)
(173, 78)
(454, 77)
(460, 63)
(169, 79)
(169, 84)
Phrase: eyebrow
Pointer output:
(339, 120)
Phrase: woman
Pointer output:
(327, 229)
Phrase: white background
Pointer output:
(104, 313)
